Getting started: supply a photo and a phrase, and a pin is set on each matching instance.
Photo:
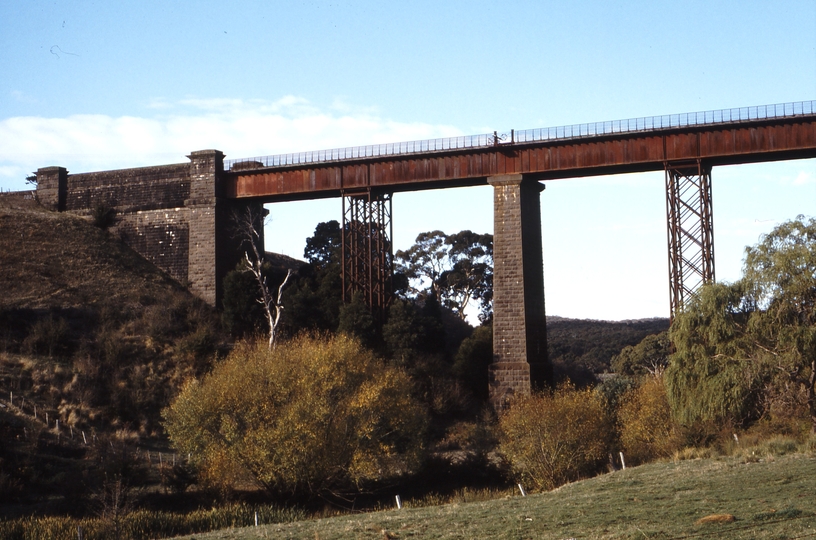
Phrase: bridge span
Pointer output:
(730, 136)
(685, 146)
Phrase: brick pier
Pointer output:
(519, 326)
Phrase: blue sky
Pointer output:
(102, 85)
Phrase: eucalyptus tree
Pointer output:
(456, 269)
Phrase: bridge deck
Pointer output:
(730, 136)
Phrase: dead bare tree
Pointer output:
(248, 224)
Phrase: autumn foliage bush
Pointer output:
(553, 438)
(645, 425)
(313, 414)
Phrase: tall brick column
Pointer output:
(204, 211)
(52, 187)
(519, 325)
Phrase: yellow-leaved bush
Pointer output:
(311, 414)
(553, 438)
(647, 429)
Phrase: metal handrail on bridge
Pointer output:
(575, 131)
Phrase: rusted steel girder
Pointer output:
(368, 261)
(690, 230)
(720, 144)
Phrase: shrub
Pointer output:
(647, 430)
(311, 415)
(103, 215)
(551, 439)
(48, 336)
(612, 390)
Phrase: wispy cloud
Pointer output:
(804, 178)
(240, 128)
(22, 97)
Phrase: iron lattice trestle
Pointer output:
(690, 230)
(368, 260)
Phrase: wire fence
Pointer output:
(49, 422)
(575, 131)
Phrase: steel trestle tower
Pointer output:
(690, 230)
(368, 259)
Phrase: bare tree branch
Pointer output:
(247, 230)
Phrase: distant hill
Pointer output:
(583, 347)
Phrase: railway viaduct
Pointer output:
(177, 215)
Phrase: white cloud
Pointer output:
(804, 178)
(237, 127)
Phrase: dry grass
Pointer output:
(60, 260)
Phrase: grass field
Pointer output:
(768, 497)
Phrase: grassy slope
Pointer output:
(118, 307)
(770, 498)
(60, 260)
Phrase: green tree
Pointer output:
(403, 333)
(710, 376)
(356, 320)
(650, 356)
(739, 345)
(780, 286)
(473, 359)
(241, 314)
(454, 268)
(425, 261)
(471, 273)
(315, 299)
(308, 416)
(323, 249)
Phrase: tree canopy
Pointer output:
(748, 349)
(455, 268)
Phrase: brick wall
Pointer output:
(205, 168)
(18, 199)
(52, 184)
(169, 214)
(160, 236)
(130, 190)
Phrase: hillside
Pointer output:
(581, 347)
(94, 342)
